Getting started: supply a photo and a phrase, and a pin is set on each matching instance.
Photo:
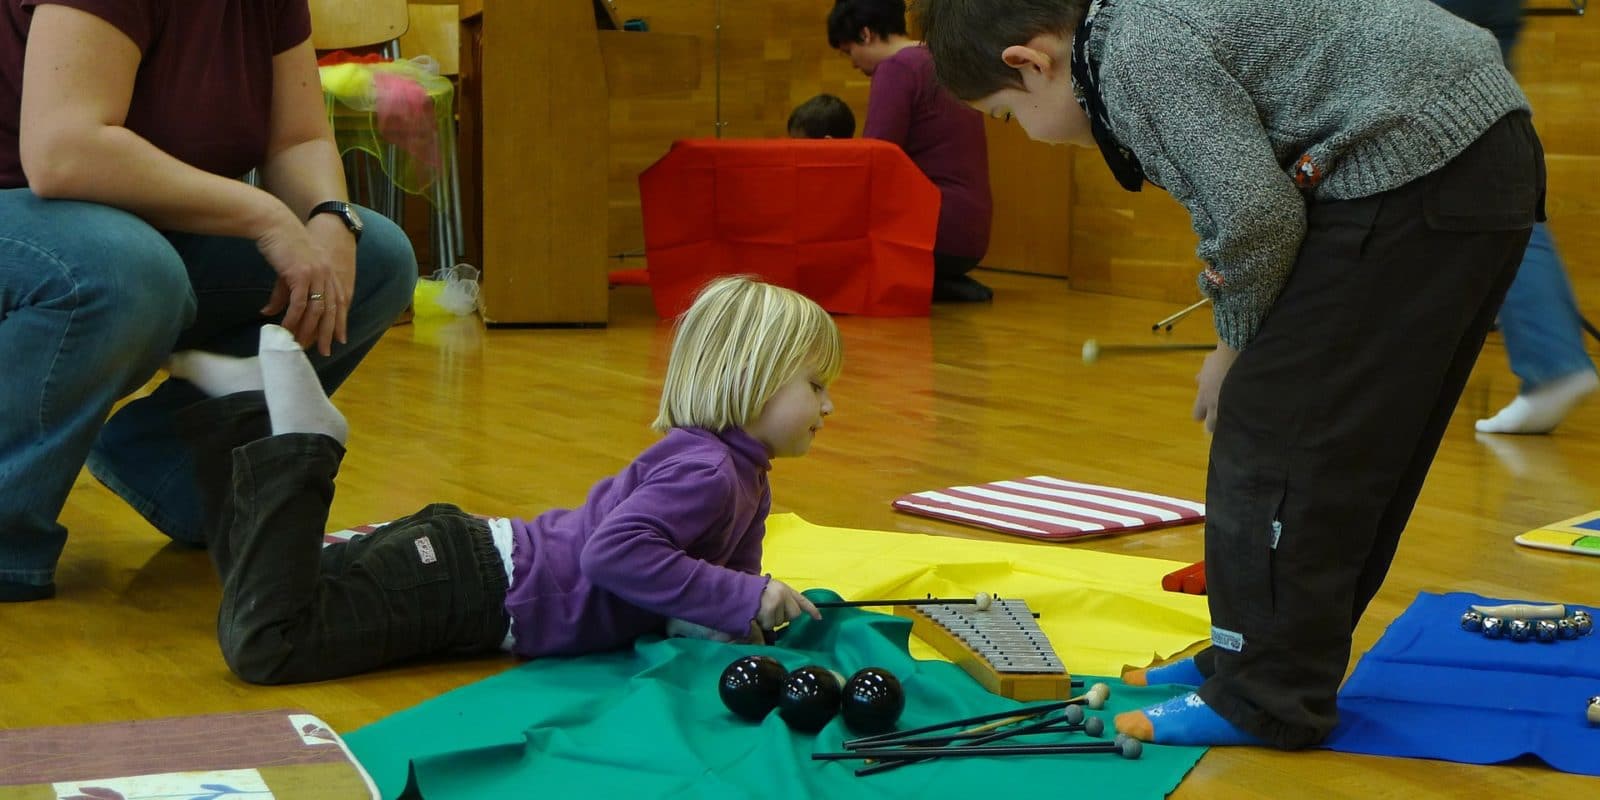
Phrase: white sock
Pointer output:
(214, 374)
(295, 399)
(1542, 409)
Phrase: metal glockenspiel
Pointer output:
(1001, 647)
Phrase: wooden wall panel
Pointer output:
(1558, 64)
(1138, 244)
(1142, 245)
(1032, 185)
(773, 56)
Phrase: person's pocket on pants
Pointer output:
(1493, 185)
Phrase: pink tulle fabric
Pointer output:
(375, 105)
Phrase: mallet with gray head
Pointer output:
(1093, 349)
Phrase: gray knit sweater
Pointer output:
(1224, 100)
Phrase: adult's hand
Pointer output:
(316, 278)
(340, 244)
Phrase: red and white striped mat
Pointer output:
(1041, 507)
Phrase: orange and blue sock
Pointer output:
(1182, 672)
(1184, 720)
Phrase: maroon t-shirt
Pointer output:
(203, 92)
(944, 138)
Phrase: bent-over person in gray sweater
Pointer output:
(1363, 177)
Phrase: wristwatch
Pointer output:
(344, 211)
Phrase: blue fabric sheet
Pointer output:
(1429, 689)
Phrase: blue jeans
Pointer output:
(92, 300)
(1539, 319)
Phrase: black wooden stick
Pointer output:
(1051, 725)
(970, 751)
(923, 601)
(1048, 725)
(1024, 712)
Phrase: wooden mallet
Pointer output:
(1092, 349)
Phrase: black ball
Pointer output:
(809, 698)
(749, 686)
(873, 700)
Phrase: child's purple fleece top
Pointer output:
(675, 534)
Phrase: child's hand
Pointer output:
(755, 635)
(1215, 368)
(780, 603)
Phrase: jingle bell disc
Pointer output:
(1546, 630)
(1519, 630)
(1493, 627)
(1582, 622)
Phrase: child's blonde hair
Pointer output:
(736, 345)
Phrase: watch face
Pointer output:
(344, 211)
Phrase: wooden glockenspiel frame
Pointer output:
(1001, 647)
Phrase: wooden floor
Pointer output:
(513, 422)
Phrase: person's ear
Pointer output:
(865, 36)
(1026, 58)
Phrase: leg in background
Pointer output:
(952, 284)
(1544, 341)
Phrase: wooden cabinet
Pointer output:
(536, 81)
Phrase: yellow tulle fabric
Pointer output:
(398, 111)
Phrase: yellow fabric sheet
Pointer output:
(1101, 611)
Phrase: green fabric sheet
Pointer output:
(648, 723)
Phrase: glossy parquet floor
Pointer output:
(512, 422)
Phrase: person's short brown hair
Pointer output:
(966, 38)
(884, 18)
(822, 117)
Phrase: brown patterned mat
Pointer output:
(280, 754)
